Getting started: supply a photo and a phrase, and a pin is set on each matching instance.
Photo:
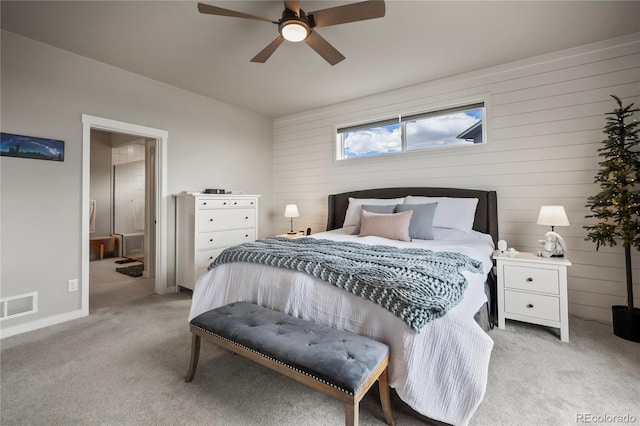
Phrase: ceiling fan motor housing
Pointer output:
(293, 27)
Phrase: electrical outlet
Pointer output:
(72, 285)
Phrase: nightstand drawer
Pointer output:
(532, 305)
(532, 279)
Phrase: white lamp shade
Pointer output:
(291, 211)
(553, 216)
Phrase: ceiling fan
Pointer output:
(296, 25)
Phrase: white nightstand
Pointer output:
(533, 289)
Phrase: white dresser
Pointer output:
(206, 225)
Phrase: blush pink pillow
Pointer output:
(393, 226)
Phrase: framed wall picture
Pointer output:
(31, 147)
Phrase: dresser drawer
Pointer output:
(209, 240)
(532, 305)
(213, 203)
(532, 279)
(243, 203)
(222, 203)
(206, 257)
(216, 220)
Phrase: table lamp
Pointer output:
(553, 216)
(291, 211)
(554, 245)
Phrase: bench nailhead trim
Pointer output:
(278, 361)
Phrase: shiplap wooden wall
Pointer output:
(545, 117)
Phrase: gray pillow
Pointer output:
(389, 209)
(421, 225)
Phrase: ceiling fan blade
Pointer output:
(214, 10)
(293, 5)
(348, 13)
(323, 48)
(268, 51)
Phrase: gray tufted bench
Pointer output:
(341, 364)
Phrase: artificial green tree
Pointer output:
(616, 207)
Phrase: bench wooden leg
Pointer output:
(385, 397)
(195, 355)
(351, 413)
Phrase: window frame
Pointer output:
(402, 118)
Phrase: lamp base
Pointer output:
(547, 254)
(292, 233)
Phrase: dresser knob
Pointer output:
(530, 305)
(246, 217)
(224, 204)
(210, 220)
(204, 204)
(529, 280)
(210, 240)
(246, 235)
(235, 203)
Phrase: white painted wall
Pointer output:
(45, 91)
(545, 121)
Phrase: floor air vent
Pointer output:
(17, 306)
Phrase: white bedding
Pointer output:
(440, 372)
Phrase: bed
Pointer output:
(440, 371)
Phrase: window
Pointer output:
(451, 127)
(371, 138)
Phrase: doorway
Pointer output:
(119, 256)
(154, 200)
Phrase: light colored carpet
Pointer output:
(126, 365)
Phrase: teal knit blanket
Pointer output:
(416, 285)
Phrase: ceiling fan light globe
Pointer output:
(294, 31)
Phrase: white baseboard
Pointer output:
(167, 290)
(39, 323)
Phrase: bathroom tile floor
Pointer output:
(108, 288)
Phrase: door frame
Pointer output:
(90, 122)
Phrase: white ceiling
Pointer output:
(416, 41)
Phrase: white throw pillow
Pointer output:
(454, 213)
(352, 216)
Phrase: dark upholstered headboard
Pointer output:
(486, 219)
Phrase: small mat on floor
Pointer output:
(120, 262)
(133, 271)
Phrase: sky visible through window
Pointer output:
(423, 133)
(373, 141)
